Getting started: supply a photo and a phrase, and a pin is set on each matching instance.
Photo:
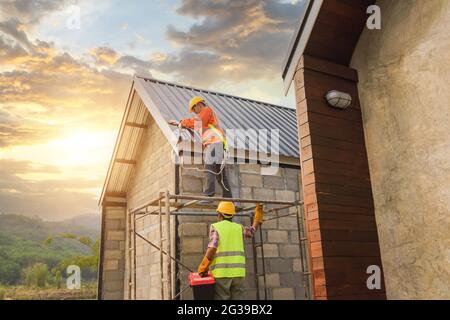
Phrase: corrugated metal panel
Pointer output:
(128, 147)
(234, 113)
(172, 100)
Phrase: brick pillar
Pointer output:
(112, 253)
(343, 238)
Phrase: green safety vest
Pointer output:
(229, 260)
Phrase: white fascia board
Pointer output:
(305, 30)
(171, 137)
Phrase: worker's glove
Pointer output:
(259, 215)
(204, 266)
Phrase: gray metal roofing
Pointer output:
(233, 112)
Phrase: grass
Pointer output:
(87, 292)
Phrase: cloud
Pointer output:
(30, 12)
(139, 66)
(104, 56)
(241, 40)
(50, 199)
(42, 84)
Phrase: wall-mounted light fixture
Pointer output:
(338, 99)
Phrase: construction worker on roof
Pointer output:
(225, 256)
(214, 144)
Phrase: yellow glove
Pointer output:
(259, 215)
(204, 266)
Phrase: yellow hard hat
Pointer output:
(194, 101)
(226, 207)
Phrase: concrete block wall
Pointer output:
(280, 237)
(113, 253)
(154, 173)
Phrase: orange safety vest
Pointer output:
(212, 133)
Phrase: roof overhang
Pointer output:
(140, 107)
(299, 41)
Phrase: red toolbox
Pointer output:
(203, 288)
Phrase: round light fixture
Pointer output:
(338, 99)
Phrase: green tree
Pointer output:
(37, 275)
(89, 262)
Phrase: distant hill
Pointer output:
(90, 221)
(21, 242)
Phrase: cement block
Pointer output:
(292, 184)
(270, 250)
(192, 185)
(291, 173)
(111, 265)
(191, 245)
(112, 275)
(193, 229)
(283, 294)
(276, 265)
(270, 224)
(115, 235)
(273, 182)
(300, 293)
(288, 223)
(115, 214)
(284, 195)
(250, 168)
(293, 237)
(112, 224)
(113, 285)
(112, 295)
(113, 254)
(263, 194)
(246, 193)
(251, 180)
(277, 236)
(297, 265)
(272, 280)
(111, 244)
(289, 250)
(291, 279)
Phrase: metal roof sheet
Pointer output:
(234, 113)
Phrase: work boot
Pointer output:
(206, 201)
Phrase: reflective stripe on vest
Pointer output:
(229, 260)
(212, 135)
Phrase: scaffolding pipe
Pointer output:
(300, 237)
(161, 257)
(134, 256)
(169, 249)
(165, 198)
(163, 251)
(189, 197)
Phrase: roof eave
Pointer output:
(299, 41)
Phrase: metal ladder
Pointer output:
(257, 273)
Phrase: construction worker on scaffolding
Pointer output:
(214, 145)
(225, 256)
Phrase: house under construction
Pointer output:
(154, 232)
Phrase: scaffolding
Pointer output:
(166, 205)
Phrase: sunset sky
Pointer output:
(63, 89)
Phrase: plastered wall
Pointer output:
(404, 72)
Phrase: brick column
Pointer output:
(343, 238)
(112, 257)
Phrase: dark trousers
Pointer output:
(213, 157)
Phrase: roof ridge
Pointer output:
(213, 92)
